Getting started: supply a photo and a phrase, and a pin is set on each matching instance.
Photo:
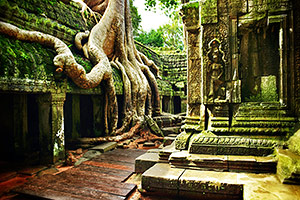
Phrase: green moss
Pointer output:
(191, 5)
(4, 4)
(87, 65)
(118, 82)
(209, 12)
(294, 143)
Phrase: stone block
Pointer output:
(209, 12)
(294, 143)
(181, 141)
(145, 161)
(161, 177)
(288, 168)
(210, 185)
(165, 152)
(105, 147)
(232, 146)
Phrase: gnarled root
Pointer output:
(65, 61)
(84, 8)
(135, 129)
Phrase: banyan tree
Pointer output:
(109, 44)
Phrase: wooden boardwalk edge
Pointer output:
(99, 178)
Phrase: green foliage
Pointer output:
(168, 36)
(165, 5)
(254, 98)
(135, 18)
(173, 32)
(153, 38)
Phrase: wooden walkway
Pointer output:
(99, 178)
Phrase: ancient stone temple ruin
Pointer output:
(243, 104)
(43, 111)
(239, 84)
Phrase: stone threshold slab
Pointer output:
(161, 178)
(196, 184)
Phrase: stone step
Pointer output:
(146, 161)
(249, 164)
(244, 131)
(171, 130)
(230, 145)
(196, 184)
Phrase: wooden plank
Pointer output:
(78, 172)
(96, 167)
(99, 178)
(67, 189)
(92, 179)
(109, 164)
(109, 171)
(103, 185)
(115, 157)
(126, 152)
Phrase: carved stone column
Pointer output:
(195, 119)
(58, 132)
(195, 111)
(213, 82)
(51, 127)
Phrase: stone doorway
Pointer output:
(260, 63)
(19, 138)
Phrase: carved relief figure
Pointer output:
(215, 71)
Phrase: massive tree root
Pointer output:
(110, 44)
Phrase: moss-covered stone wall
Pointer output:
(173, 69)
(25, 64)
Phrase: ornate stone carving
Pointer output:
(233, 146)
(215, 71)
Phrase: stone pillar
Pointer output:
(58, 132)
(195, 119)
(213, 81)
(51, 127)
(195, 108)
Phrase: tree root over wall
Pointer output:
(110, 44)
